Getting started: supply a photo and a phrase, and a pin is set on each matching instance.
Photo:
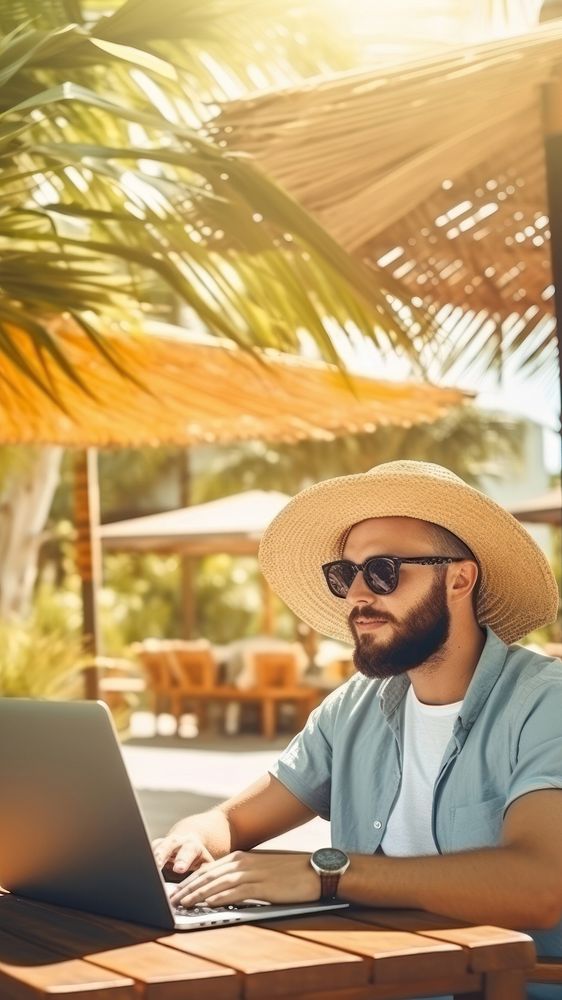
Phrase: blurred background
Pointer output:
(247, 246)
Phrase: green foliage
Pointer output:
(132, 481)
(467, 441)
(229, 600)
(39, 659)
(140, 597)
(15, 460)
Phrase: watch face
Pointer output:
(330, 859)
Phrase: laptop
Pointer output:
(71, 830)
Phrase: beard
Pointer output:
(417, 638)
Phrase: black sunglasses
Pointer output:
(381, 573)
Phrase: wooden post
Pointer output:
(187, 563)
(552, 127)
(188, 597)
(88, 559)
(268, 609)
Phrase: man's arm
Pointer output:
(517, 884)
(263, 810)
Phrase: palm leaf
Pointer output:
(243, 256)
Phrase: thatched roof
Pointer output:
(434, 169)
(194, 390)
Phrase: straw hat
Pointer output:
(518, 591)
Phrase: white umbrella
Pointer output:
(232, 524)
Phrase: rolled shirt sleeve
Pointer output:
(305, 767)
(538, 730)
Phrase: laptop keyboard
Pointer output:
(201, 910)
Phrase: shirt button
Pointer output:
(377, 824)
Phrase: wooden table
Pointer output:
(368, 954)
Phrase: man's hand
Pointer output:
(260, 812)
(261, 875)
(180, 853)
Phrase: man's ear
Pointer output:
(462, 579)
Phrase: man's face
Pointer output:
(404, 629)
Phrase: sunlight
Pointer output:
(412, 27)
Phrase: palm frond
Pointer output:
(219, 50)
(92, 222)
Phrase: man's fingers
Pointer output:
(196, 882)
(236, 894)
(164, 849)
(208, 872)
(191, 856)
(180, 855)
(230, 885)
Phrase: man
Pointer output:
(439, 764)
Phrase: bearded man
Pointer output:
(439, 763)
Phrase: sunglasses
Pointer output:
(381, 573)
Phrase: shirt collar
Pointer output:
(489, 667)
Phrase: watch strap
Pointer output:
(328, 885)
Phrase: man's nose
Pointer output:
(359, 591)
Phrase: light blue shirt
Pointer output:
(346, 764)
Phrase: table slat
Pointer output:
(29, 971)
(126, 949)
(275, 964)
(397, 956)
(489, 948)
(169, 974)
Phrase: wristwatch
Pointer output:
(330, 863)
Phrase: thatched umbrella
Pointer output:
(183, 389)
(231, 524)
(436, 170)
(186, 390)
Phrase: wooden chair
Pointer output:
(194, 682)
(276, 683)
(180, 674)
(194, 679)
(338, 671)
(154, 661)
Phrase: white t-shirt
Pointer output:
(427, 730)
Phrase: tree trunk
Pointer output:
(24, 509)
